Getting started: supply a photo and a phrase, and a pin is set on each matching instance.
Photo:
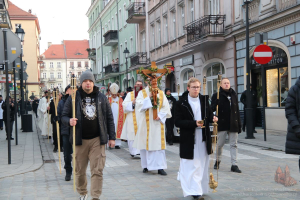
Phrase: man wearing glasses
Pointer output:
(229, 122)
(193, 115)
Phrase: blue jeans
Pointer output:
(67, 154)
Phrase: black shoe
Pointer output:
(254, 131)
(198, 197)
(170, 143)
(11, 138)
(235, 168)
(55, 150)
(61, 149)
(1, 128)
(132, 155)
(68, 177)
(217, 165)
(145, 170)
(243, 129)
(117, 147)
(162, 172)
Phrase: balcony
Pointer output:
(139, 58)
(136, 13)
(4, 19)
(111, 70)
(52, 80)
(43, 80)
(111, 38)
(210, 28)
(91, 53)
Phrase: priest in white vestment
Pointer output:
(43, 116)
(131, 121)
(117, 111)
(150, 138)
(195, 140)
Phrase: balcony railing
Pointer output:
(136, 13)
(52, 79)
(4, 19)
(209, 25)
(139, 58)
(111, 38)
(91, 53)
(111, 68)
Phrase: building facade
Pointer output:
(31, 44)
(110, 35)
(281, 20)
(60, 61)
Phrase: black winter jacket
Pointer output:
(292, 113)
(184, 119)
(104, 117)
(12, 112)
(229, 116)
(64, 130)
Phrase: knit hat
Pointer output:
(67, 87)
(129, 89)
(167, 89)
(87, 75)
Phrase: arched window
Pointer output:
(132, 82)
(212, 77)
(186, 76)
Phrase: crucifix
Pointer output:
(151, 74)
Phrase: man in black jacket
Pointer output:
(94, 126)
(12, 117)
(253, 106)
(229, 122)
(195, 139)
(35, 105)
(170, 121)
(65, 135)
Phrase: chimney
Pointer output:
(49, 44)
(29, 11)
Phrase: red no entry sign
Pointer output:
(263, 54)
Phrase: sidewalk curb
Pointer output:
(36, 165)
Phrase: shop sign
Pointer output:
(187, 60)
(279, 58)
(3, 78)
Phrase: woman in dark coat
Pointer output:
(292, 113)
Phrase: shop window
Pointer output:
(212, 77)
(187, 75)
(277, 86)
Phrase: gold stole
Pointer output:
(121, 117)
(162, 127)
(133, 115)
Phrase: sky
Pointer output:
(59, 19)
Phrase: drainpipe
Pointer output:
(101, 52)
(118, 40)
(235, 65)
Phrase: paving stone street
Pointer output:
(34, 173)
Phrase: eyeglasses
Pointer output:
(195, 88)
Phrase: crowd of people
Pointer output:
(145, 122)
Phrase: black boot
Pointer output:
(235, 168)
(162, 172)
(254, 131)
(217, 165)
(117, 147)
(55, 149)
(68, 176)
(145, 170)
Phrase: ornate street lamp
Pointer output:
(126, 53)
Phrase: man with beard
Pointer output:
(170, 121)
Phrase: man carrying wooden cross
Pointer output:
(154, 110)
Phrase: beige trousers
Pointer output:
(92, 151)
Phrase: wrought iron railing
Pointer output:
(111, 68)
(110, 35)
(137, 9)
(208, 25)
(139, 58)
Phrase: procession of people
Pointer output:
(145, 118)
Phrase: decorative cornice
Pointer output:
(271, 23)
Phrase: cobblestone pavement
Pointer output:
(123, 177)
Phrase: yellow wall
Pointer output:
(31, 52)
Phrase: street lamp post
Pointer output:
(249, 110)
(20, 33)
(126, 53)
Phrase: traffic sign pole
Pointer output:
(7, 123)
(16, 104)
